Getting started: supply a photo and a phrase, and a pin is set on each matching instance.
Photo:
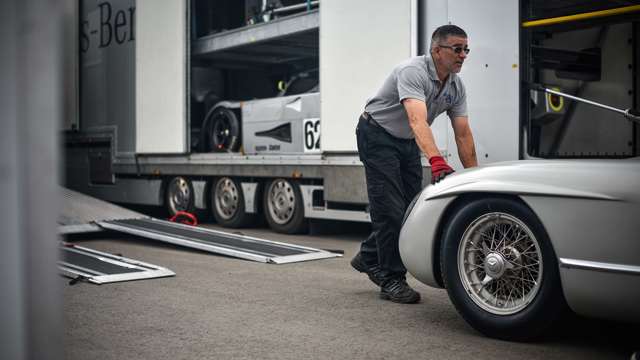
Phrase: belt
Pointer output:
(370, 121)
(367, 117)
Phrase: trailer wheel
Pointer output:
(283, 207)
(227, 203)
(221, 131)
(179, 196)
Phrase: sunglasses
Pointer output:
(456, 49)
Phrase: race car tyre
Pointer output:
(500, 270)
(221, 131)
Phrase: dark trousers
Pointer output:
(394, 176)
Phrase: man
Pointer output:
(391, 134)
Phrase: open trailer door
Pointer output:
(360, 42)
(493, 110)
(161, 76)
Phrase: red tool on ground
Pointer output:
(184, 217)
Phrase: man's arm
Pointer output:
(417, 113)
(464, 141)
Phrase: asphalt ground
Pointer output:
(218, 307)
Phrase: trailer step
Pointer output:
(101, 268)
(80, 213)
(240, 246)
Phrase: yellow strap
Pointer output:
(584, 16)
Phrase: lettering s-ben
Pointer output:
(115, 27)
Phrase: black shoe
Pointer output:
(373, 272)
(397, 290)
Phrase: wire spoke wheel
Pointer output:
(281, 201)
(226, 198)
(500, 263)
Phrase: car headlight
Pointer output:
(410, 207)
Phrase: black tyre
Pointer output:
(179, 196)
(500, 270)
(221, 131)
(227, 203)
(283, 207)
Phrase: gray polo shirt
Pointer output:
(415, 78)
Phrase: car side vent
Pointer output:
(281, 132)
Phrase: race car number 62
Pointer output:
(311, 128)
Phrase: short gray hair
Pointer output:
(441, 34)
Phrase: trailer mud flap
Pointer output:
(240, 246)
(100, 268)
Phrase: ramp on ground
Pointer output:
(240, 246)
(101, 268)
(82, 213)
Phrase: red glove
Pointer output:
(439, 168)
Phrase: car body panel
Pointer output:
(606, 295)
(264, 119)
(422, 224)
(589, 208)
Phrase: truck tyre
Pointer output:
(283, 207)
(227, 203)
(221, 130)
(179, 196)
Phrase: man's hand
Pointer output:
(439, 168)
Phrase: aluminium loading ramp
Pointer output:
(100, 268)
(240, 246)
(81, 212)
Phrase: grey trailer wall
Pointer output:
(107, 71)
(31, 106)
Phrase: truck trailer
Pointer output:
(247, 109)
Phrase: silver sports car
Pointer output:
(515, 243)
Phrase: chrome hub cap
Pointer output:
(179, 195)
(500, 263)
(494, 265)
(281, 201)
(225, 198)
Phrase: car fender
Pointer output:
(418, 238)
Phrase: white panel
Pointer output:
(161, 76)
(360, 42)
(491, 77)
(435, 15)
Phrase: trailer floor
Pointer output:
(219, 307)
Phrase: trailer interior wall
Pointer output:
(592, 131)
(360, 42)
